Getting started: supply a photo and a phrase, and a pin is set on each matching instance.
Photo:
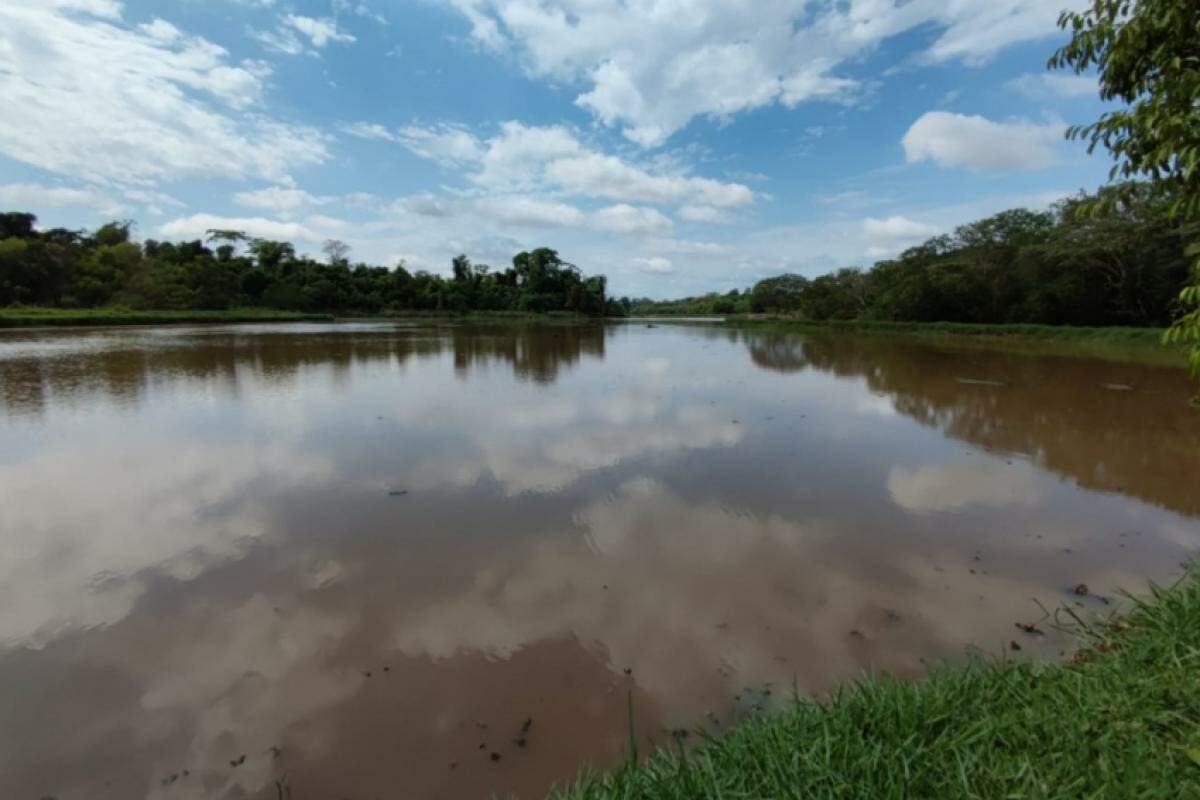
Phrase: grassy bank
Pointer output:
(1142, 345)
(1047, 332)
(64, 317)
(1121, 719)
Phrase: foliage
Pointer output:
(1147, 54)
(75, 269)
(1123, 265)
(1121, 719)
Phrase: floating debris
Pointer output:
(979, 382)
(495, 756)
(1014, 645)
(237, 762)
(397, 492)
(1081, 590)
(1030, 628)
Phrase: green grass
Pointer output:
(1119, 720)
(1139, 345)
(21, 317)
(1055, 332)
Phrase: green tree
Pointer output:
(1147, 54)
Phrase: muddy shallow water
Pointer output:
(367, 557)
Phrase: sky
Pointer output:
(676, 146)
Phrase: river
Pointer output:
(444, 560)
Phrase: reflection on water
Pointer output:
(363, 556)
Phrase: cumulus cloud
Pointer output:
(530, 211)
(36, 196)
(697, 213)
(656, 264)
(280, 199)
(314, 229)
(624, 218)
(975, 142)
(89, 97)
(650, 67)
(522, 157)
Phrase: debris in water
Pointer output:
(1081, 590)
(520, 740)
(857, 634)
(237, 762)
(978, 382)
(495, 756)
(1030, 628)
(366, 673)
(628, 670)
(276, 751)
(526, 725)
(397, 492)
(1014, 645)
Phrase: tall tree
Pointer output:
(1147, 54)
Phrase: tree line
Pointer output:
(65, 268)
(1115, 257)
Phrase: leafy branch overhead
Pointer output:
(1147, 56)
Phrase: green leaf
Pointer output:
(1194, 755)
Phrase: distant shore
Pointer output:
(1120, 718)
(72, 317)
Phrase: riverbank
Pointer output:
(60, 317)
(66, 317)
(1119, 719)
(1137, 345)
(1019, 330)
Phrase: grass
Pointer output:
(1121, 719)
(1024, 330)
(1140, 345)
(21, 317)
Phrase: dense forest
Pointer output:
(1118, 261)
(75, 269)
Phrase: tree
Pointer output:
(1147, 53)
(335, 250)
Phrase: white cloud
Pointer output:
(656, 264)
(34, 197)
(695, 213)
(1051, 86)
(319, 31)
(444, 143)
(530, 211)
(91, 98)
(369, 130)
(280, 199)
(896, 227)
(286, 37)
(196, 226)
(425, 205)
(975, 142)
(627, 219)
(651, 66)
(522, 158)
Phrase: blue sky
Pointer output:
(675, 145)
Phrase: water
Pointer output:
(364, 555)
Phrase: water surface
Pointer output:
(365, 556)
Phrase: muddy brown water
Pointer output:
(364, 556)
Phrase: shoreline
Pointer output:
(1119, 718)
